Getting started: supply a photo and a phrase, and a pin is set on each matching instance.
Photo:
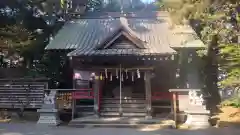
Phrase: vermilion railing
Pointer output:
(162, 96)
(83, 94)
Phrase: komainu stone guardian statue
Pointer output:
(49, 111)
(197, 115)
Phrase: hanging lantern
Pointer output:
(101, 77)
(77, 76)
(126, 72)
(138, 74)
(92, 76)
(106, 75)
(145, 77)
(132, 76)
(111, 77)
(116, 73)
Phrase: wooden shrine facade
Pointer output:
(129, 62)
(141, 82)
(151, 77)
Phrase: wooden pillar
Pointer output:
(73, 107)
(148, 93)
(96, 84)
(73, 100)
(175, 108)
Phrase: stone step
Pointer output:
(124, 110)
(83, 125)
(110, 105)
(119, 125)
(132, 97)
(117, 98)
(86, 113)
(124, 101)
(124, 114)
(115, 122)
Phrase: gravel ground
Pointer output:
(34, 129)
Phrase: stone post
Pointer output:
(96, 83)
(49, 111)
(148, 94)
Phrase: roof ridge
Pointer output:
(134, 14)
(125, 25)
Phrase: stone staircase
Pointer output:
(131, 107)
(119, 122)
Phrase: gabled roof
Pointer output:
(152, 35)
(133, 42)
(123, 31)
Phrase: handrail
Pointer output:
(83, 94)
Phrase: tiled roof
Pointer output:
(185, 36)
(85, 35)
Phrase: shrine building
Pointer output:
(125, 64)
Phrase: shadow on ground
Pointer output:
(34, 129)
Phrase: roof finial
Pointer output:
(123, 21)
(121, 6)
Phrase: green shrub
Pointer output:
(234, 102)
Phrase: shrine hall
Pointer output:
(125, 64)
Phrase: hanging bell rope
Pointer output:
(132, 76)
(117, 73)
(126, 72)
(110, 76)
(138, 74)
(101, 77)
(145, 76)
(106, 74)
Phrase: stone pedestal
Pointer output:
(49, 112)
(198, 118)
(193, 104)
(48, 117)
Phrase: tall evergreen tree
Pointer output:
(26, 28)
(217, 22)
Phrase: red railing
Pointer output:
(162, 96)
(89, 94)
(83, 94)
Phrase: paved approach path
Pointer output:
(33, 129)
